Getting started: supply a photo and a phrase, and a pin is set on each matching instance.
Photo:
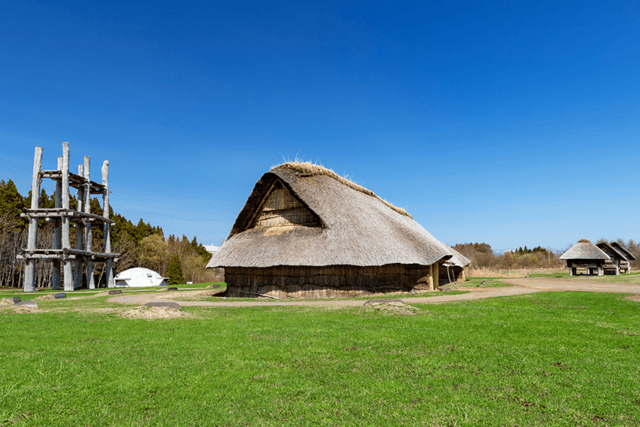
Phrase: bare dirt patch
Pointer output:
(6, 304)
(391, 309)
(635, 297)
(153, 313)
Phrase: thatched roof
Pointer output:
(305, 215)
(611, 251)
(628, 255)
(307, 168)
(584, 249)
(458, 259)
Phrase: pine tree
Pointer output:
(11, 202)
(175, 271)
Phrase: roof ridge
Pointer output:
(312, 169)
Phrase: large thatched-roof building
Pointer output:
(585, 254)
(305, 231)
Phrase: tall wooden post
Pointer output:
(77, 277)
(30, 267)
(107, 224)
(88, 231)
(436, 276)
(431, 277)
(66, 240)
(55, 273)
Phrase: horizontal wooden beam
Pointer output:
(46, 257)
(60, 212)
(66, 252)
(75, 181)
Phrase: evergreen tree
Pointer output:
(11, 202)
(175, 271)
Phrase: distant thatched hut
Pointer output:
(305, 231)
(620, 258)
(453, 270)
(585, 254)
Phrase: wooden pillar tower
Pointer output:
(62, 255)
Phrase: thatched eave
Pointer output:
(355, 229)
(585, 250)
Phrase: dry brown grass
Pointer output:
(516, 272)
(391, 309)
(153, 313)
(6, 304)
(314, 169)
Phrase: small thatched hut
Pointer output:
(307, 232)
(585, 254)
(620, 258)
(453, 270)
(624, 265)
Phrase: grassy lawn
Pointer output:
(542, 359)
(25, 296)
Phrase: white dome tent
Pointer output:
(139, 278)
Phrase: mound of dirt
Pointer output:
(392, 309)
(153, 313)
(6, 302)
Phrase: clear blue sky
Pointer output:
(511, 124)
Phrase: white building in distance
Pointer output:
(139, 278)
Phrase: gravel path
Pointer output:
(521, 287)
(475, 293)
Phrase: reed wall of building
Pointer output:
(329, 281)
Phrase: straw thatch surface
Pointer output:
(308, 168)
(322, 220)
(584, 249)
(458, 260)
(628, 255)
(611, 251)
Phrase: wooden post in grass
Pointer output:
(107, 224)
(66, 240)
(30, 267)
(55, 268)
(88, 231)
(77, 278)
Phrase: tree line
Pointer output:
(140, 245)
(482, 256)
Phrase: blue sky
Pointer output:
(507, 123)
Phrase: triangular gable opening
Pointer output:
(281, 209)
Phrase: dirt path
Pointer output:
(521, 287)
(142, 299)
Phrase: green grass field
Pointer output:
(541, 359)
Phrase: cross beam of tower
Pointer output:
(62, 256)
